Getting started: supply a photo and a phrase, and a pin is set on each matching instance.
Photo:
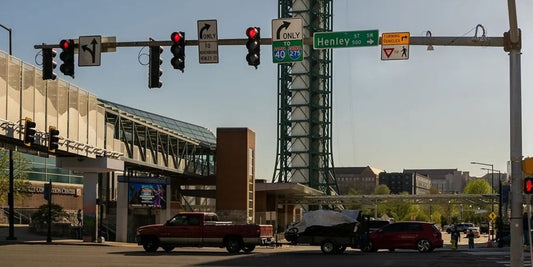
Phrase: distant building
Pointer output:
(360, 179)
(445, 180)
(412, 183)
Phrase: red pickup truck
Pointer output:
(199, 229)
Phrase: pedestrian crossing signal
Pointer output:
(528, 185)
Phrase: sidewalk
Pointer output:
(23, 236)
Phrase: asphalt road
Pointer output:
(32, 250)
(79, 255)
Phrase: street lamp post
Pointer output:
(10, 198)
(491, 186)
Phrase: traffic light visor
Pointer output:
(176, 37)
(252, 32)
(64, 44)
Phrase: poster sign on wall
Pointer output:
(146, 195)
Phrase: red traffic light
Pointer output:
(64, 44)
(528, 185)
(252, 32)
(176, 37)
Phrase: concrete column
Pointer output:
(90, 207)
(122, 212)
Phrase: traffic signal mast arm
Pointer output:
(435, 41)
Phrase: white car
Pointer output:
(475, 230)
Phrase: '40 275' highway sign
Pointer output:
(287, 40)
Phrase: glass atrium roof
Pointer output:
(199, 133)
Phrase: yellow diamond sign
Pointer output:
(492, 216)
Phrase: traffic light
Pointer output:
(528, 185)
(53, 138)
(49, 64)
(254, 46)
(67, 56)
(178, 50)
(29, 131)
(47, 192)
(154, 67)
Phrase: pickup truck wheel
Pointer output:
(150, 245)
(248, 248)
(168, 248)
(234, 244)
(328, 247)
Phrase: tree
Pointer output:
(20, 175)
(382, 190)
(477, 186)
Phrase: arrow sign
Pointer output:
(85, 48)
(90, 50)
(287, 29)
(287, 40)
(285, 25)
(204, 28)
(207, 41)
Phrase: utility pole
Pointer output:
(10, 197)
(513, 46)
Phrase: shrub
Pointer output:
(41, 215)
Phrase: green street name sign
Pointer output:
(326, 40)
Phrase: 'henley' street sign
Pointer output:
(326, 40)
(287, 40)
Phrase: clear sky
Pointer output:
(438, 109)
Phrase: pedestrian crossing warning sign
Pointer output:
(394, 52)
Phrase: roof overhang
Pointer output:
(287, 189)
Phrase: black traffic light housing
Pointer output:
(49, 64)
(178, 50)
(67, 55)
(53, 139)
(29, 131)
(254, 46)
(154, 67)
(528, 185)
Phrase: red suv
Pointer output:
(422, 236)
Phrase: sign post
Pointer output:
(287, 40)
